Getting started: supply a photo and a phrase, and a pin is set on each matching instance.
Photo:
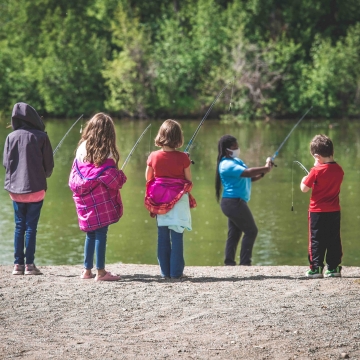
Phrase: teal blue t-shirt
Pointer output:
(235, 186)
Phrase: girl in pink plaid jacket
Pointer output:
(95, 181)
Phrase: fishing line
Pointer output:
(62, 140)
(232, 91)
(149, 142)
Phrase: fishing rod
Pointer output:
(134, 147)
(288, 135)
(292, 179)
(62, 140)
(302, 166)
(204, 118)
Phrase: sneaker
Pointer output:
(333, 273)
(109, 276)
(31, 269)
(164, 278)
(179, 278)
(315, 274)
(18, 269)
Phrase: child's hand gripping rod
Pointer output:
(134, 147)
(288, 135)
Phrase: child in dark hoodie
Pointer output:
(28, 160)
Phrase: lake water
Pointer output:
(282, 237)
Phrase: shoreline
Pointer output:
(257, 312)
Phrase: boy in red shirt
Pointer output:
(324, 179)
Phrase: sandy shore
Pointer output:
(218, 313)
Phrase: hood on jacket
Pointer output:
(89, 171)
(84, 176)
(24, 114)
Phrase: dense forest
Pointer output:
(158, 58)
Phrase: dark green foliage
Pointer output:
(171, 57)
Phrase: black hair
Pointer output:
(224, 143)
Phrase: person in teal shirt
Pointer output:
(236, 178)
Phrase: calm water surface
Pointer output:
(282, 235)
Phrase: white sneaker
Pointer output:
(18, 269)
(31, 269)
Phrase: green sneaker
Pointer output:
(333, 273)
(317, 273)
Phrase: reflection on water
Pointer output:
(282, 235)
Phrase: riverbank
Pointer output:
(218, 313)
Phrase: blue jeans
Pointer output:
(26, 220)
(95, 241)
(170, 252)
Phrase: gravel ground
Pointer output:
(218, 313)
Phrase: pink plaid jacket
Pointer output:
(96, 193)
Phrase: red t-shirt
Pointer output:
(325, 181)
(169, 164)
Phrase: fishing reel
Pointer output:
(188, 154)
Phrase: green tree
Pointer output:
(70, 80)
(128, 74)
(172, 57)
(332, 83)
(58, 56)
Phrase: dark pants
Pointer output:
(324, 236)
(240, 220)
(26, 220)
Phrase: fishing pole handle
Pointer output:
(188, 154)
(271, 160)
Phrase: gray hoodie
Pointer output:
(28, 156)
